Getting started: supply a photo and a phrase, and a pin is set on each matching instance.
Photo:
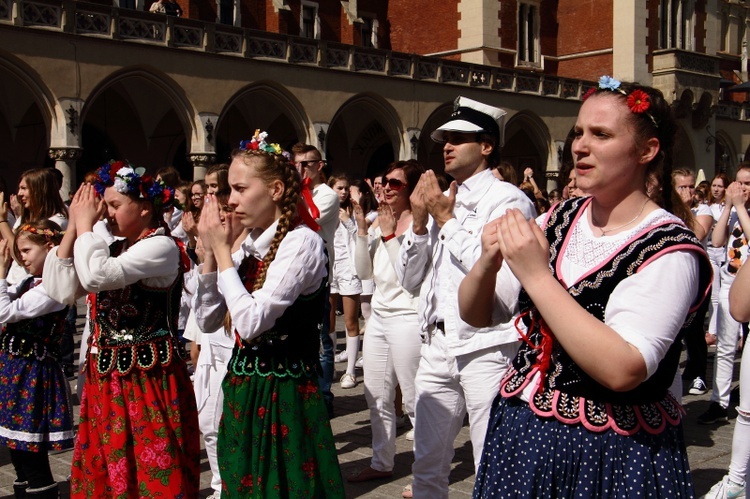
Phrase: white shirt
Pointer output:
(436, 263)
(154, 260)
(298, 269)
(327, 202)
(34, 303)
(646, 309)
(377, 260)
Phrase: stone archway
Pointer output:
(26, 119)
(527, 145)
(266, 106)
(139, 115)
(364, 137)
(683, 155)
(430, 153)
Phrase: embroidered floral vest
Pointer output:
(35, 338)
(134, 326)
(291, 347)
(566, 391)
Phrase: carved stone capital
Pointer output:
(65, 153)
(202, 159)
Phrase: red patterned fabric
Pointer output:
(138, 436)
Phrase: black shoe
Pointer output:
(714, 414)
(19, 489)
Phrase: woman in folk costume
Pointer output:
(138, 433)
(608, 283)
(274, 437)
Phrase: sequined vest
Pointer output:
(35, 338)
(134, 327)
(567, 392)
(291, 347)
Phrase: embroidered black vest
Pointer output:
(134, 327)
(291, 347)
(35, 338)
(567, 392)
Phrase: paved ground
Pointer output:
(709, 450)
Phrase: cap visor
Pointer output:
(455, 126)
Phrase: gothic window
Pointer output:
(676, 24)
(528, 34)
(369, 31)
(310, 22)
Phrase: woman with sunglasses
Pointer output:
(393, 342)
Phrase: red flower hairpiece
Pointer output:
(638, 101)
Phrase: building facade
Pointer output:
(365, 81)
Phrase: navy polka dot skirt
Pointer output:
(528, 456)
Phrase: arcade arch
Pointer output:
(527, 145)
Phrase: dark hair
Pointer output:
(222, 175)
(44, 195)
(657, 121)
(367, 199)
(724, 180)
(39, 232)
(339, 177)
(412, 171)
(508, 172)
(300, 148)
(494, 157)
(170, 176)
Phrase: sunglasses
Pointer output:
(394, 184)
(305, 164)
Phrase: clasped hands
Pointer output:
(428, 199)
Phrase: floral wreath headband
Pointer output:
(129, 180)
(306, 208)
(638, 101)
(48, 233)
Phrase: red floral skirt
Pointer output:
(138, 436)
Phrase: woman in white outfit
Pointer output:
(718, 257)
(393, 341)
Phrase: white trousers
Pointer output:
(391, 353)
(447, 388)
(209, 374)
(727, 336)
(718, 257)
(739, 470)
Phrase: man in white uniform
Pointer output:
(461, 366)
(309, 163)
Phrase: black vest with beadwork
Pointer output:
(135, 326)
(567, 392)
(291, 347)
(34, 338)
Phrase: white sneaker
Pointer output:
(341, 356)
(360, 362)
(726, 489)
(410, 435)
(348, 381)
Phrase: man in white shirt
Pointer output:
(309, 163)
(461, 366)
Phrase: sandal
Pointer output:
(406, 493)
(367, 474)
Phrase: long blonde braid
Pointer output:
(288, 214)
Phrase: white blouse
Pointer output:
(34, 303)
(298, 269)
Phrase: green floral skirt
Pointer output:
(275, 439)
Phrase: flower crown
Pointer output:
(638, 101)
(258, 143)
(133, 181)
(42, 232)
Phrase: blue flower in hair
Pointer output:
(608, 83)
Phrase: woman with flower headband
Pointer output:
(37, 414)
(274, 437)
(138, 432)
(606, 283)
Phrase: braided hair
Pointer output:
(270, 167)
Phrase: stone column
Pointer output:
(201, 162)
(65, 161)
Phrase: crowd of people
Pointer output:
(555, 321)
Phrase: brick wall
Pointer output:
(423, 26)
(584, 26)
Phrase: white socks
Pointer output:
(352, 351)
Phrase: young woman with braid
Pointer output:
(274, 437)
